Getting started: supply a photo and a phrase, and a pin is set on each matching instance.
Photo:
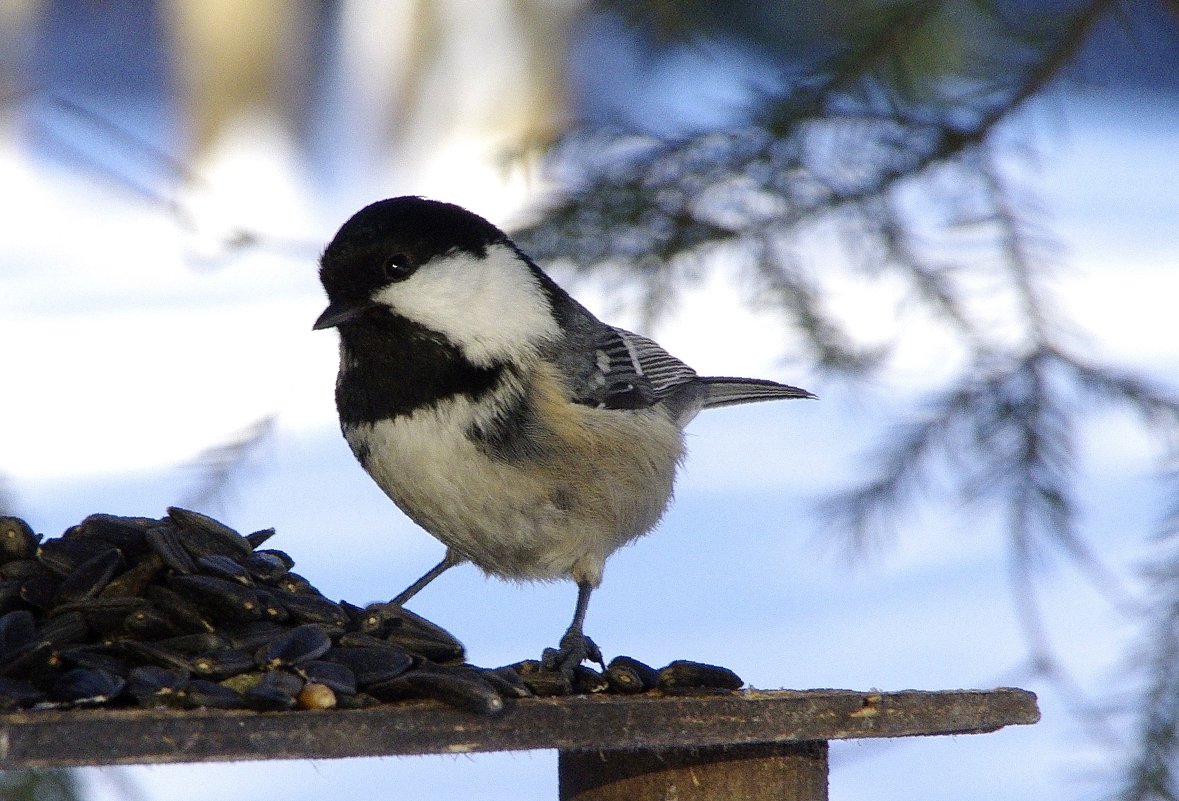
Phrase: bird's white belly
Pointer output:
(560, 516)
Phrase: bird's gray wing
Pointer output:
(630, 371)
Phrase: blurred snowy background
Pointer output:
(169, 172)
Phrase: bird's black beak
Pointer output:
(339, 313)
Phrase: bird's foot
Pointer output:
(573, 649)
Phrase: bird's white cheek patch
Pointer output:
(491, 307)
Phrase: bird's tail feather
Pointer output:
(728, 391)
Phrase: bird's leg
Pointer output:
(450, 560)
(574, 647)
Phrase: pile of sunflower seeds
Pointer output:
(186, 612)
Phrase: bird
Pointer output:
(496, 411)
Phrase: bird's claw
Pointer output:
(573, 649)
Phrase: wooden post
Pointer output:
(753, 772)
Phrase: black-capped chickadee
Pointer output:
(497, 412)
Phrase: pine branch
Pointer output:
(220, 466)
(41, 785)
(826, 148)
(7, 500)
(781, 281)
(155, 179)
(1151, 772)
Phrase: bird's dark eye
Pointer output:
(398, 266)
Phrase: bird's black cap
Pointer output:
(351, 265)
(421, 227)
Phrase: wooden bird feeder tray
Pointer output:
(751, 745)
